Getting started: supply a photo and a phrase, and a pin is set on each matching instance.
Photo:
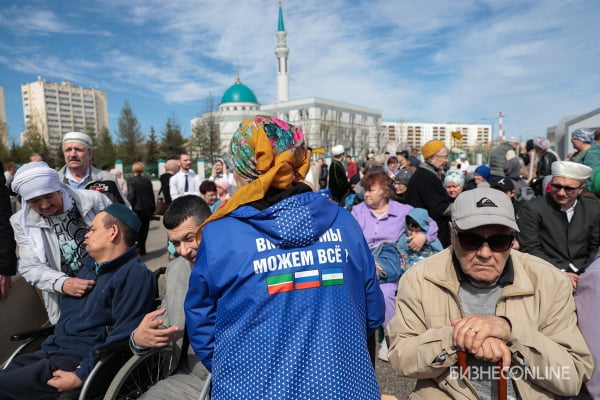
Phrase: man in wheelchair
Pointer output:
(123, 293)
(166, 325)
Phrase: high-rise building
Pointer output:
(53, 109)
(3, 124)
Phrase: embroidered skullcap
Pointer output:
(483, 171)
(337, 150)
(125, 215)
(572, 170)
(35, 179)
(462, 155)
(541, 143)
(431, 148)
(78, 137)
(454, 176)
(269, 152)
(583, 134)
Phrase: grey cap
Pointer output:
(483, 206)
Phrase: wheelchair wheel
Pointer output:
(140, 373)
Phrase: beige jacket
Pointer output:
(539, 305)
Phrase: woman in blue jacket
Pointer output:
(283, 294)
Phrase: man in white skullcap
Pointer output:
(562, 226)
(49, 230)
(78, 171)
(338, 180)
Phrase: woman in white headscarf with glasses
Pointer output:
(49, 230)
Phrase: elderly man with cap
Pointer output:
(79, 173)
(123, 293)
(338, 181)
(479, 302)
(49, 231)
(426, 189)
(562, 227)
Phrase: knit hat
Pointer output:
(403, 176)
(125, 215)
(454, 176)
(483, 171)
(483, 206)
(35, 179)
(583, 134)
(78, 137)
(337, 150)
(431, 148)
(572, 170)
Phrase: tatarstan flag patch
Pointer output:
(280, 283)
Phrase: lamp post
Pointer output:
(492, 123)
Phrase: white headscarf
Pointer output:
(32, 180)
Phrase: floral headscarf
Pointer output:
(270, 153)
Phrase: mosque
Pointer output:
(325, 123)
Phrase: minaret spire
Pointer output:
(281, 53)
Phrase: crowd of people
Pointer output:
(473, 280)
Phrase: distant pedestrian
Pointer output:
(338, 181)
(171, 169)
(141, 197)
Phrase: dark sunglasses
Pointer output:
(472, 241)
(568, 189)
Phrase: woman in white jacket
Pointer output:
(49, 230)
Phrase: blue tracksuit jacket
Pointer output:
(281, 301)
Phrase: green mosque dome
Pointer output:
(239, 93)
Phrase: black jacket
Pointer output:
(141, 195)
(8, 257)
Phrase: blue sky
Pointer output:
(430, 60)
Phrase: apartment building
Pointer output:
(407, 135)
(54, 109)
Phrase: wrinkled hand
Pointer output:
(573, 278)
(65, 381)
(5, 285)
(472, 330)
(493, 350)
(416, 241)
(77, 287)
(150, 332)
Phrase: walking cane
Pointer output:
(502, 383)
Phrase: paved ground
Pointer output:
(156, 257)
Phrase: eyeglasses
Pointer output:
(443, 157)
(555, 187)
(472, 241)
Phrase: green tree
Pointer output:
(172, 143)
(206, 134)
(104, 149)
(35, 143)
(131, 138)
(4, 152)
(152, 148)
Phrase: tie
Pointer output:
(185, 188)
